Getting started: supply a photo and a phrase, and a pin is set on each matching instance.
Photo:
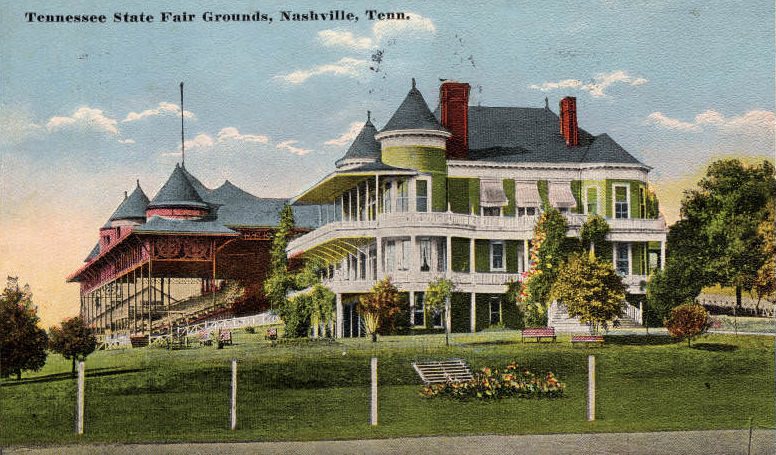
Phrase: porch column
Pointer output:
(377, 195)
(473, 312)
(472, 257)
(379, 252)
(412, 308)
(662, 254)
(449, 256)
(340, 316)
(414, 263)
(526, 257)
(358, 203)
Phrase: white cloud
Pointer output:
(338, 38)
(86, 118)
(16, 125)
(164, 108)
(596, 88)
(201, 140)
(346, 137)
(345, 66)
(291, 148)
(753, 122)
(231, 133)
(126, 141)
(416, 25)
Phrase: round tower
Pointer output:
(177, 199)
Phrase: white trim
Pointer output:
(597, 189)
(627, 199)
(503, 267)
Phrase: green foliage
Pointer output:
(296, 313)
(73, 339)
(322, 303)
(381, 304)
(549, 250)
(437, 293)
(765, 281)
(666, 289)
(688, 321)
(590, 290)
(310, 275)
(513, 311)
(22, 343)
(279, 281)
(491, 384)
(722, 217)
(593, 233)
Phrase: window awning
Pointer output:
(560, 195)
(492, 194)
(528, 194)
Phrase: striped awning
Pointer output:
(492, 193)
(560, 195)
(527, 194)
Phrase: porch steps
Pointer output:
(559, 318)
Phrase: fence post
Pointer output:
(590, 388)
(79, 406)
(373, 416)
(234, 395)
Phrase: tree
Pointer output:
(721, 219)
(279, 281)
(437, 298)
(593, 233)
(591, 290)
(22, 342)
(322, 303)
(73, 339)
(381, 304)
(765, 282)
(688, 321)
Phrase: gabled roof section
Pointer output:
(365, 147)
(178, 192)
(133, 206)
(605, 150)
(94, 253)
(413, 114)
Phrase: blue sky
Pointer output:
(88, 108)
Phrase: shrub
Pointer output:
(250, 329)
(491, 384)
(687, 321)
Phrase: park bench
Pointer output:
(272, 334)
(225, 337)
(587, 339)
(204, 338)
(451, 370)
(538, 333)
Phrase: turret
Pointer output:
(178, 199)
(364, 149)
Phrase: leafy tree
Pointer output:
(765, 282)
(73, 339)
(688, 321)
(296, 313)
(322, 303)
(723, 215)
(22, 343)
(549, 248)
(279, 281)
(591, 290)
(593, 233)
(437, 298)
(381, 304)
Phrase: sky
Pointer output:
(87, 109)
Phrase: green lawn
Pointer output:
(747, 324)
(320, 390)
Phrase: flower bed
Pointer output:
(492, 384)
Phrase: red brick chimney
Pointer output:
(454, 102)
(568, 121)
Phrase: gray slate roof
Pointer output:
(94, 253)
(178, 192)
(133, 206)
(532, 135)
(364, 147)
(413, 113)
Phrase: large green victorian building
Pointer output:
(457, 192)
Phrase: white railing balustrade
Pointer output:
(266, 318)
(635, 313)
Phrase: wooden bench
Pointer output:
(587, 339)
(538, 333)
(451, 370)
(272, 334)
(225, 337)
(204, 338)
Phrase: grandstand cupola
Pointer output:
(177, 199)
(413, 138)
(132, 210)
(364, 149)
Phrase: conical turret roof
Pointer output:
(133, 206)
(413, 114)
(364, 148)
(177, 192)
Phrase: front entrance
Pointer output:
(352, 325)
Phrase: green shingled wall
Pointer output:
(458, 194)
(482, 255)
(460, 254)
(460, 312)
(511, 251)
(474, 195)
(438, 193)
(509, 189)
(544, 192)
(576, 190)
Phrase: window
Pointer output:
(425, 255)
(526, 211)
(441, 249)
(520, 260)
(436, 318)
(491, 211)
(387, 198)
(405, 250)
(495, 309)
(418, 310)
(390, 255)
(621, 257)
(592, 201)
(620, 202)
(421, 192)
(402, 196)
(497, 255)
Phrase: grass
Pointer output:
(320, 391)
